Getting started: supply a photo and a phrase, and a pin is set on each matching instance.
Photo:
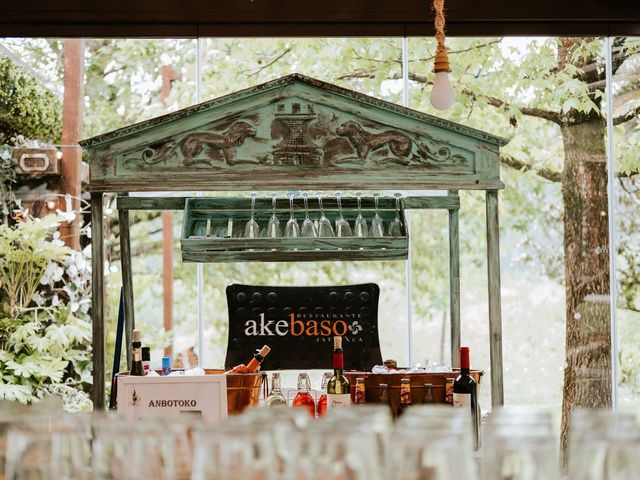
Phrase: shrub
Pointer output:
(45, 329)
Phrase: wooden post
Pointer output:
(127, 281)
(169, 75)
(167, 274)
(495, 315)
(97, 305)
(71, 163)
(454, 282)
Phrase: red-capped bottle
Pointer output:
(303, 398)
(322, 401)
(465, 393)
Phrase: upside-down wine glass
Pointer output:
(361, 224)
(324, 229)
(308, 227)
(291, 229)
(273, 227)
(251, 229)
(395, 227)
(377, 227)
(343, 229)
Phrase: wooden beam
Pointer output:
(454, 281)
(495, 314)
(97, 301)
(178, 203)
(127, 280)
(162, 18)
(71, 164)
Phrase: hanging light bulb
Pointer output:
(442, 94)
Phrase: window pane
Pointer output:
(626, 100)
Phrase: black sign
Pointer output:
(299, 323)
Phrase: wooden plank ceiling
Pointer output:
(191, 18)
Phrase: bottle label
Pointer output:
(338, 401)
(360, 395)
(462, 400)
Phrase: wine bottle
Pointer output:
(303, 398)
(360, 395)
(146, 359)
(405, 395)
(465, 392)
(258, 357)
(275, 398)
(137, 369)
(322, 401)
(338, 388)
(428, 394)
(254, 363)
(385, 399)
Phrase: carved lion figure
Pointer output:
(193, 144)
(364, 142)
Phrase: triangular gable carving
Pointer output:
(294, 129)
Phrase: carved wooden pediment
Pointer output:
(294, 132)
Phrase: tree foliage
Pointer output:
(26, 108)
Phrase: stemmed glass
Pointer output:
(273, 227)
(377, 228)
(361, 224)
(325, 229)
(291, 229)
(251, 229)
(395, 227)
(308, 227)
(343, 229)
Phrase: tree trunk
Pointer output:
(587, 375)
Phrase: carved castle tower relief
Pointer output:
(296, 148)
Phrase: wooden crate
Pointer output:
(213, 231)
(373, 381)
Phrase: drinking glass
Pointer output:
(377, 226)
(519, 447)
(273, 227)
(308, 227)
(251, 229)
(155, 448)
(234, 450)
(591, 449)
(361, 228)
(291, 229)
(395, 227)
(51, 448)
(343, 229)
(431, 442)
(324, 229)
(335, 450)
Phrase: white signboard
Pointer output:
(196, 395)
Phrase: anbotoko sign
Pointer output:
(298, 323)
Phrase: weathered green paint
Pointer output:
(127, 280)
(450, 202)
(294, 132)
(454, 282)
(218, 244)
(97, 302)
(495, 314)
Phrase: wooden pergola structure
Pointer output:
(295, 132)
